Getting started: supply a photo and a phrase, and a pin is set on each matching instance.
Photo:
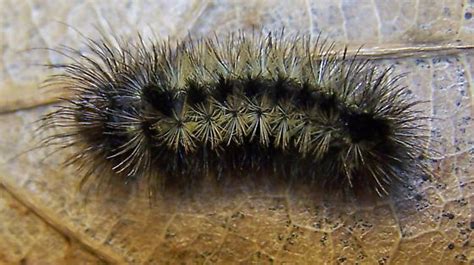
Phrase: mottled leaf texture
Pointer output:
(44, 220)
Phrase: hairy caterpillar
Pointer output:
(283, 106)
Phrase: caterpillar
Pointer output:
(271, 104)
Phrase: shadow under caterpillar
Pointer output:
(286, 107)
